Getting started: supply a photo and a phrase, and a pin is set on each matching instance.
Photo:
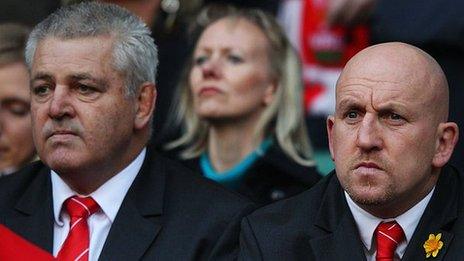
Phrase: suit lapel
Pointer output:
(139, 220)
(438, 217)
(32, 216)
(340, 238)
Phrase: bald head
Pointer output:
(389, 136)
(407, 67)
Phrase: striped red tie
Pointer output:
(388, 236)
(76, 245)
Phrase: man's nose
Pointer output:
(369, 134)
(60, 103)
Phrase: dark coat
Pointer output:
(318, 225)
(272, 177)
(168, 213)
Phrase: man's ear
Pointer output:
(447, 137)
(330, 125)
(146, 100)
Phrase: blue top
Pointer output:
(231, 178)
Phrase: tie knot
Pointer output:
(81, 207)
(389, 235)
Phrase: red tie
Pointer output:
(388, 236)
(76, 245)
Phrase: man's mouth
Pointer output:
(368, 164)
(61, 133)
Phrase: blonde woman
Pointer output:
(240, 107)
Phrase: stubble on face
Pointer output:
(402, 167)
(83, 121)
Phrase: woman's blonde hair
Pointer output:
(283, 118)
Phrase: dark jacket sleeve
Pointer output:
(249, 247)
(227, 245)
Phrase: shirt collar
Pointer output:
(109, 196)
(367, 223)
(7, 171)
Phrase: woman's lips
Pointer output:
(209, 90)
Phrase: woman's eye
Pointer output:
(235, 59)
(200, 60)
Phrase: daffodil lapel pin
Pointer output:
(433, 245)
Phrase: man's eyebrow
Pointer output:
(391, 106)
(348, 103)
(87, 76)
(42, 76)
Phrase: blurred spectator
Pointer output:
(16, 145)
(169, 21)
(325, 45)
(240, 107)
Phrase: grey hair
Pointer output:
(283, 118)
(134, 51)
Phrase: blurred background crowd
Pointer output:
(278, 130)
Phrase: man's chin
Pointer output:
(370, 195)
(61, 161)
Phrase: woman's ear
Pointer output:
(269, 93)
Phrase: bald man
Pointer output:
(392, 195)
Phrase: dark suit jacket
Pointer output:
(168, 213)
(272, 177)
(318, 225)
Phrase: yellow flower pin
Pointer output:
(433, 245)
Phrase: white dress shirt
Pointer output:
(109, 197)
(367, 223)
(7, 171)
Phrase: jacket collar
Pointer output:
(32, 216)
(136, 226)
(139, 219)
(339, 236)
(438, 217)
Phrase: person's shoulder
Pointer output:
(184, 184)
(275, 159)
(293, 211)
(14, 185)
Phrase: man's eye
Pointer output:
(85, 89)
(41, 90)
(394, 116)
(352, 115)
